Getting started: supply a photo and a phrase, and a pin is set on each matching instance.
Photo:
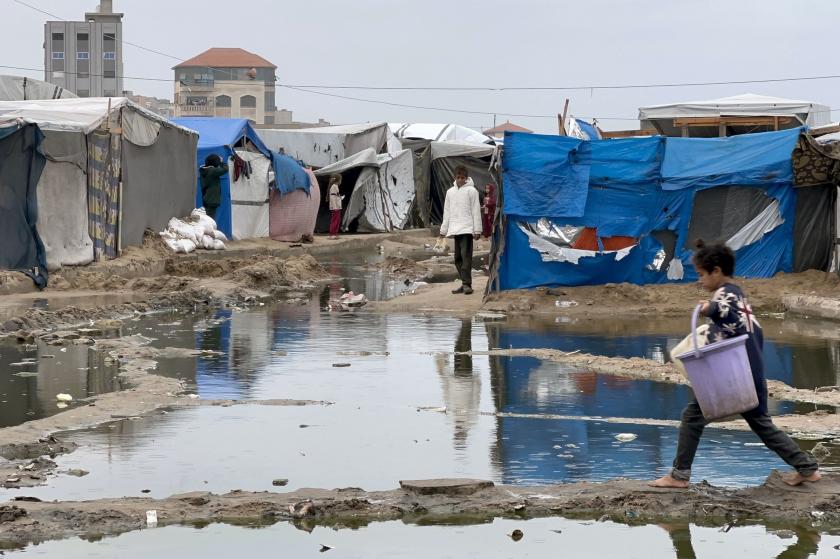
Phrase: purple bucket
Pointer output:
(720, 375)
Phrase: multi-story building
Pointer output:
(86, 57)
(162, 107)
(226, 82)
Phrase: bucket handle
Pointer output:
(694, 317)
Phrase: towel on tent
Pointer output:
(289, 175)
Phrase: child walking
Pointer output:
(732, 316)
(335, 205)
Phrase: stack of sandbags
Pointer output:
(198, 231)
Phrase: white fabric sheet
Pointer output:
(812, 114)
(760, 225)
(249, 198)
(63, 215)
(439, 132)
(319, 147)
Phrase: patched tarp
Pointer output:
(21, 164)
(249, 197)
(326, 145)
(289, 175)
(647, 200)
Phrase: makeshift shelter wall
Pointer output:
(20, 88)
(421, 151)
(21, 164)
(636, 188)
(63, 201)
(319, 147)
(294, 214)
(159, 182)
(249, 197)
(443, 177)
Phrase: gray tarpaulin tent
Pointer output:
(319, 147)
(113, 170)
(378, 188)
(21, 163)
(446, 157)
(20, 88)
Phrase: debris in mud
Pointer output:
(626, 437)
(76, 472)
(151, 518)
(280, 482)
(64, 397)
(516, 535)
(820, 452)
(325, 548)
(341, 364)
(10, 513)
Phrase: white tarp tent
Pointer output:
(319, 147)
(151, 160)
(438, 132)
(21, 88)
(384, 192)
(249, 197)
(806, 112)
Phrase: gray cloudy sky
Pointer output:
(490, 43)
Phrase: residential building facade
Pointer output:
(226, 82)
(162, 107)
(86, 57)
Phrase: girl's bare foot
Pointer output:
(795, 478)
(668, 481)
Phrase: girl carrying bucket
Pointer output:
(731, 316)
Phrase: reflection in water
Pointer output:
(460, 384)
(806, 543)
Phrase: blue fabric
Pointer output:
(635, 187)
(748, 159)
(543, 175)
(588, 129)
(219, 135)
(289, 175)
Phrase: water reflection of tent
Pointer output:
(628, 210)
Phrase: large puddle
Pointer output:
(374, 434)
(540, 538)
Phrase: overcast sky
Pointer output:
(487, 43)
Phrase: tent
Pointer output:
(243, 212)
(445, 158)
(326, 145)
(439, 132)
(378, 188)
(591, 212)
(294, 214)
(20, 88)
(747, 113)
(21, 164)
(113, 170)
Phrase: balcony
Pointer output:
(197, 85)
(195, 110)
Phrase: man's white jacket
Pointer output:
(461, 211)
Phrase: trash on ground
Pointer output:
(151, 518)
(626, 437)
(64, 397)
(516, 535)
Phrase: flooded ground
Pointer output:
(487, 540)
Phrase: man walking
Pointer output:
(462, 222)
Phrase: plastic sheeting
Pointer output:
(288, 174)
(812, 114)
(21, 164)
(63, 215)
(249, 198)
(727, 198)
(20, 88)
(421, 151)
(293, 215)
(219, 136)
(322, 146)
(815, 229)
(439, 132)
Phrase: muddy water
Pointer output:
(32, 376)
(541, 538)
(372, 441)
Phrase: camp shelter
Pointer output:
(243, 212)
(378, 191)
(113, 170)
(21, 164)
(438, 132)
(606, 211)
(22, 88)
(448, 156)
(729, 116)
(293, 215)
(326, 145)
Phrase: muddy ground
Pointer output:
(25, 522)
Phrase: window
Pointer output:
(58, 56)
(223, 101)
(57, 37)
(248, 102)
(109, 49)
(197, 101)
(109, 56)
(82, 56)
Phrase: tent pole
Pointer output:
(563, 131)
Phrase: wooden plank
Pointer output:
(563, 131)
(627, 133)
(732, 121)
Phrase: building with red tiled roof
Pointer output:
(226, 82)
(499, 131)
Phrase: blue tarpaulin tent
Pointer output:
(220, 136)
(629, 210)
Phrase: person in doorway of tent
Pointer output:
(731, 316)
(462, 222)
(334, 195)
(488, 210)
(211, 174)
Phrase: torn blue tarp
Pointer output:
(289, 175)
(588, 129)
(636, 191)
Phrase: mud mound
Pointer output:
(270, 272)
(403, 267)
(161, 284)
(204, 268)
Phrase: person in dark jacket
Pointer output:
(211, 184)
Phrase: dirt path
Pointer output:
(437, 298)
(24, 522)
